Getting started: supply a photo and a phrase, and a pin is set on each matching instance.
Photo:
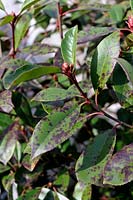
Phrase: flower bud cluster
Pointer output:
(67, 69)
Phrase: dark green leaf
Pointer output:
(122, 87)
(119, 169)
(26, 73)
(7, 19)
(68, 46)
(90, 166)
(54, 129)
(5, 121)
(103, 60)
(8, 143)
(2, 5)
(30, 194)
(22, 108)
(127, 67)
(21, 29)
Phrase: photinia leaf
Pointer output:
(90, 165)
(21, 29)
(8, 143)
(5, 101)
(119, 169)
(5, 121)
(68, 46)
(117, 13)
(26, 73)
(82, 191)
(2, 6)
(57, 94)
(27, 4)
(3, 168)
(54, 129)
(8, 180)
(30, 194)
(122, 86)
(103, 60)
(131, 4)
(127, 67)
(94, 33)
(6, 20)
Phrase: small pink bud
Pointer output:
(130, 22)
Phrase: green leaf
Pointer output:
(2, 6)
(122, 86)
(57, 94)
(26, 73)
(6, 20)
(82, 191)
(21, 29)
(127, 68)
(117, 13)
(131, 4)
(94, 33)
(54, 129)
(90, 165)
(8, 180)
(3, 168)
(28, 3)
(103, 60)
(68, 46)
(8, 143)
(119, 169)
(5, 121)
(30, 194)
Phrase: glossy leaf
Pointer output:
(68, 46)
(103, 60)
(53, 130)
(90, 166)
(8, 143)
(22, 108)
(21, 29)
(57, 94)
(27, 4)
(26, 73)
(5, 101)
(122, 87)
(119, 169)
(127, 67)
(2, 6)
(6, 20)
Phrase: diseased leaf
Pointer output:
(90, 165)
(2, 5)
(119, 169)
(82, 191)
(54, 129)
(8, 143)
(122, 87)
(21, 29)
(94, 33)
(103, 60)
(28, 163)
(127, 67)
(6, 20)
(57, 94)
(26, 73)
(5, 101)
(68, 46)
